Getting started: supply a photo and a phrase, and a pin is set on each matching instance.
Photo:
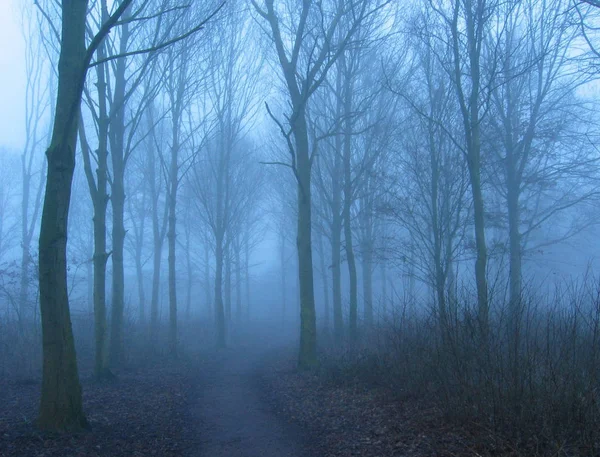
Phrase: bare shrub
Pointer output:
(534, 381)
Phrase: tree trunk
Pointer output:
(117, 136)
(158, 232)
(336, 223)
(325, 280)
(353, 319)
(171, 236)
(98, 191)
(367, 273)
(156, 261)
(219, 308)
(283, 272)
(238, 283)
(308, 327)
(228, 286)
(481, 259)
(188, 261)
(61, 403)
(514, 235)
(118, 272)
(336, 275)
(207, 278)
(139, 270)
(348, 199)
(247, 267)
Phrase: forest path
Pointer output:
(234, 414)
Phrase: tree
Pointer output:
(97, 185)
(465, 24)
(220, 186)
(60, 404)
(432, 202)
(533, 130)
(307, 44)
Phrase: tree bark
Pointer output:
(117, 137)
(348, 199)
(336, 223)
(188, 261)
(247, 271)
(367, 274)
(219, 308)
(61, 403)
(228, 286)
(325, 281)
(207, 278)
(238, 282)
(308, 327)
(282, 264)
(98, 192)
(171, 235)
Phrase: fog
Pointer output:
(404, 194)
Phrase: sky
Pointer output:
(12, 76)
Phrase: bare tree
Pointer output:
(464, 29)
(307, 44)
(61, 406)
(534, 107)
(218, 183)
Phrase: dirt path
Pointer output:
(234, 417)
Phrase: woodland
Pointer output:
(303, 228)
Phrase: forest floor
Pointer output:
(142, 413)
(242, 402)
(351, 418)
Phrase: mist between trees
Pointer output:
(412, 187)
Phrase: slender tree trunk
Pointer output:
(470, 105)
(89, 277)
(25, 242)
(117, 136)
(61, 402)
(139, 271)
(515, 288)
(348, 199)
(439, 277)
(514, 235)
(98, 191)
(283, 272)
(25, 265)
(158, 233)
(353, 319)
(188, 261)
(238, 283)
(219, 308)
(367, 272)
(155, 289)
(247, 274)
(336, 275)
(336, 223)
(207, 279)
(325, 280)
(118, 272)
(171, 237)
(228, 286)
(481, 260)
